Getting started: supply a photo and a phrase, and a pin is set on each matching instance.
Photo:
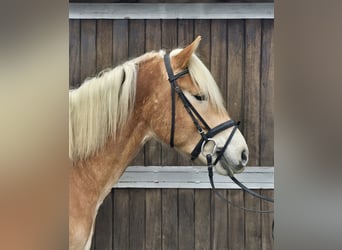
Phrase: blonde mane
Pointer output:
(100, 107)
(205, 82)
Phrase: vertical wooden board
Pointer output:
(252, 89)
(202, 219)
(219, 222)
(153, 42)
(104, 226)
(136, 47)
(120, 41)
(153, 219)
(218, 58)
(74, 53)
(137, 219)
(252, 223)
(185, 37)
(185, 32)
(267, 96)
(202, 28)
(153, 35)
(267, 242)
(169, 219)
(169, 34)
(136, 43)
(267, 125)
(88, 48)
(186, 216)
(236, 230)
(104, 47)
(121, 219)
(169, 42)
(235, 70)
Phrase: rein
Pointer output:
(206, 137)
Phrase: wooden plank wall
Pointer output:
(172, 219)
(239, 53)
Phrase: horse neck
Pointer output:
(103, 170)
(107, 166)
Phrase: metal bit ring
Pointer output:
(205, 143)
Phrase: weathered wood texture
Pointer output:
(239, 54)
(184, 218)
(173, 219)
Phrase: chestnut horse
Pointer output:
(112, 115)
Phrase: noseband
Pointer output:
(206, 137)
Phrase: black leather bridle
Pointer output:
(206, 137)
(195, 116)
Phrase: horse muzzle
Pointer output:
(231, 169)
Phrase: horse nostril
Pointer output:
(244, 157)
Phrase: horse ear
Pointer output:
(181, 60)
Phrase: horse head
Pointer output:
(183, 107)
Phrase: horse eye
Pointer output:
(200, 97)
